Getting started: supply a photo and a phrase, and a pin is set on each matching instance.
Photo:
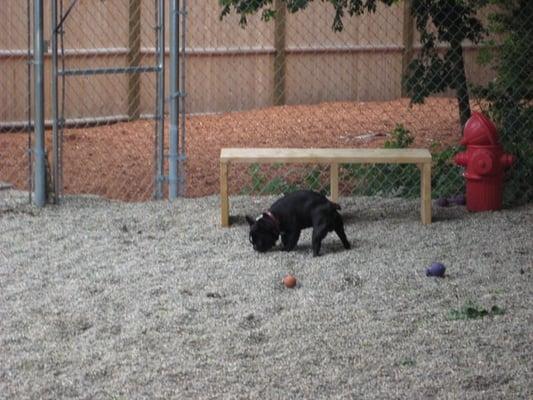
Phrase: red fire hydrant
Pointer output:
(485, 163)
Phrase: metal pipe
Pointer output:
(246, 51)
(38, 68)
(63, 98)
(14, 126)
(160, 98)
(55, 104)
(183, 154)
(29, 122)
(173, 156)
(109, 70)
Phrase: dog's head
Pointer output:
(264, 231)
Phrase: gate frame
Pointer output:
(60, 72)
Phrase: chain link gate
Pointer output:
(102, 97)
(88, 69)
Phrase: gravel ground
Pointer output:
(110, 300)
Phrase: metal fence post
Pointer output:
(55, 105)
(183, 156)
(174, 100)
(160, 99)
(38, 67)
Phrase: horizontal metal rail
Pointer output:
(229, 51)
(21, 126)
(108, 70)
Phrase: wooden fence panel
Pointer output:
(228, 68)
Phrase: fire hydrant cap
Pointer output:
(479, 130)
(482, 162)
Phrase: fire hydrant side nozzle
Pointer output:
(507, 160)
(461, 159)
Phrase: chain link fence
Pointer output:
(401, 74)
(406, 73)
(15, 95)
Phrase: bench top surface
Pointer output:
(325, 155)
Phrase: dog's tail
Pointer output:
(335, 205)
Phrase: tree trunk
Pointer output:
(280, 57)
(459, 81)
(134, 59)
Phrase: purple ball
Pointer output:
(436, 269)
(442, 202)
(460, 200)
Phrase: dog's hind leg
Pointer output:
(339, 230)
(319, 232)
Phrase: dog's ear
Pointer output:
(250, 220)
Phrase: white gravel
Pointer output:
(107, 300)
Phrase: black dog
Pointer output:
(292, 213)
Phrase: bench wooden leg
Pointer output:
(224, 197)
(425, 193)
(334, 181)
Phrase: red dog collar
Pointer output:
(273, 218)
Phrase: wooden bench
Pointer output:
(332, 157)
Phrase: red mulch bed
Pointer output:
(117, 161)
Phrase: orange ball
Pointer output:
(289, 281)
